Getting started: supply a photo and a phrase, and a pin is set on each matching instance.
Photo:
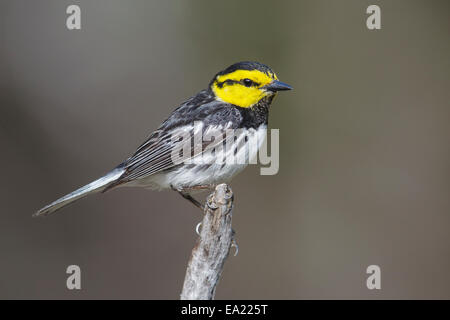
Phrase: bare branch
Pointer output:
(212, 248)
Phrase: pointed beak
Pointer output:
(276, 85)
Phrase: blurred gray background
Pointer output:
(364, 142)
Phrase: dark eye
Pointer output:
(247, 82)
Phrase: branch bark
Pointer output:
(212, 248)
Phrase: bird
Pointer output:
(237, 99)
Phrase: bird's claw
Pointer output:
(234, 244)
(198, 228)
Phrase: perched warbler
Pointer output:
(237, 98)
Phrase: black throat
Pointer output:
(255, 116)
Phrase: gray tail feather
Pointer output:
(93, 187)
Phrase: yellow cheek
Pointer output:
(239, 95)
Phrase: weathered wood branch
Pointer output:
(212, 248)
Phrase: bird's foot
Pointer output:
(184, 192)
(234, 244)
(198, 228)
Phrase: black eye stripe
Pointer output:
(232, 82)
(227, 82)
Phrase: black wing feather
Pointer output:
(154, 155)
